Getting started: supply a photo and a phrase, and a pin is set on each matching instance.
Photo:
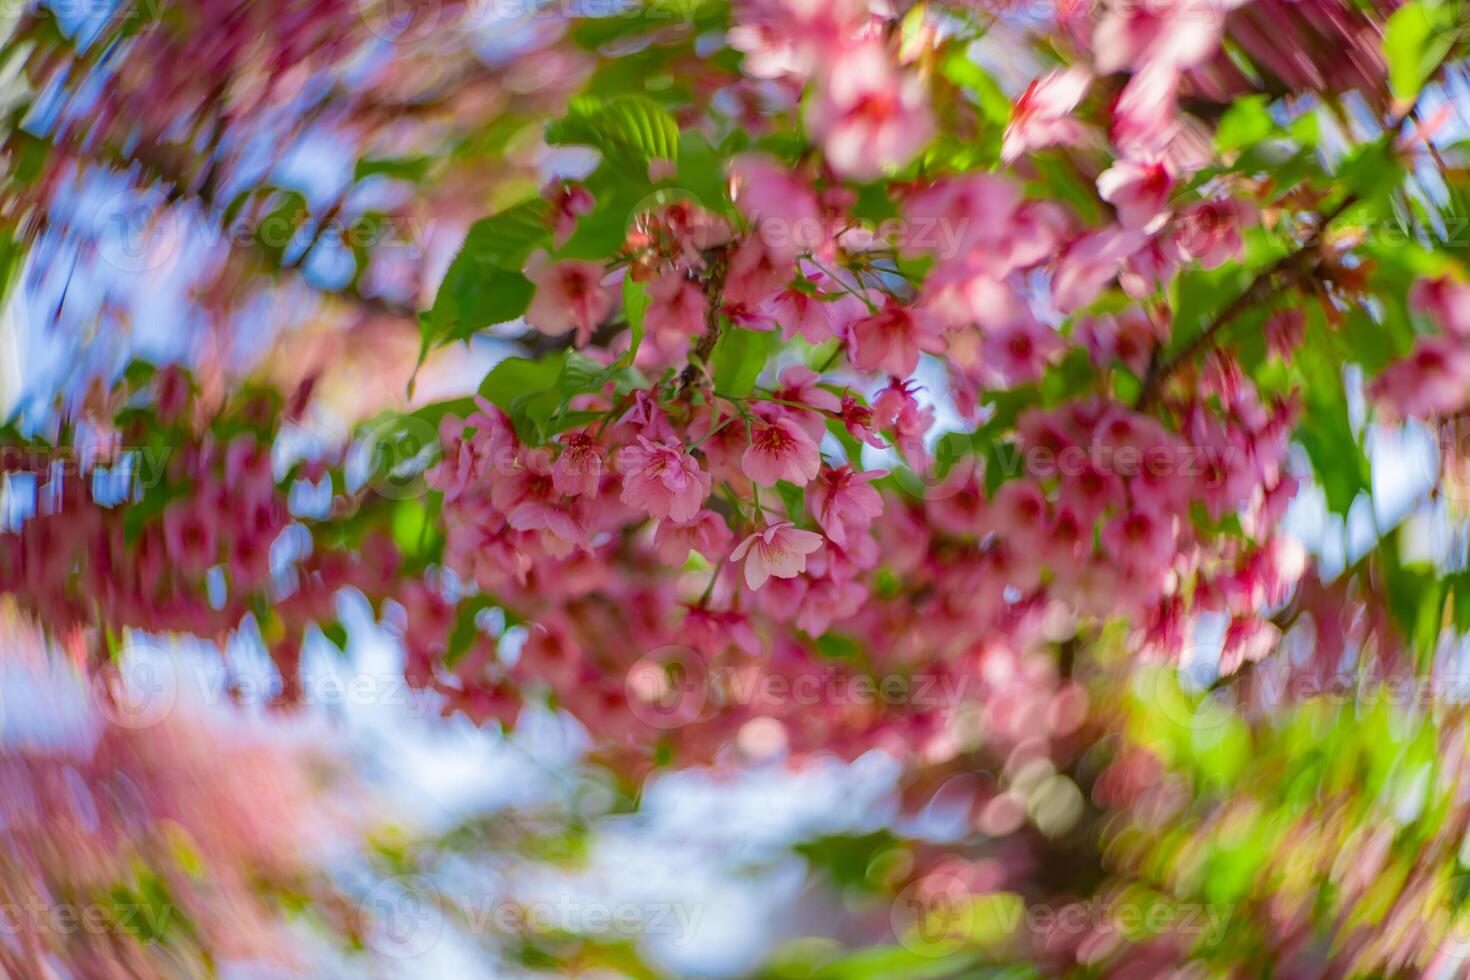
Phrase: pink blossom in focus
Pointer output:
(779, 550)
(858, 420)
(661, 478)
(578, 470)
(780, 450)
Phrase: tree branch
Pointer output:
(1262, 287)
(714, 291)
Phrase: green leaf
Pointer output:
(336, 634)
(1326, 431)
(619, 196)
(635, 305)
(508, 238)
(413, 168)
(1459, 584)
(702, 172)
(473, 296)
(1372, 172)
(739, 356)
(484, 285)
(1415, 41)
(516, 377)
(966, 74)
(535, 393)
(629, 130)
(1246, 123)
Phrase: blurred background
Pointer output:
(268, 193)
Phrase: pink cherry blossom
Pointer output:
(1209, 233)
(959, 298)
(1145, 115)
(756, 271)
(890, 339)
(780, 449)
(816, 315)
(1433, 380)
(676, 311)
(778, 550)
(1284, 333)
(858, 420)
(1139, 190)
(1019, 513)
(578, 470)
(1447, 303)
(1043, 114)
(1089, 264)
(1178, 33)
(661, 478)
(897, 409)
(189, 536)
(1020, 350)
(707, 534)
(842, 502)
(1150, 269)
(867, 114)
(569, 295)
(786, 213)
(567, 201)
(962, 218)
(793, 37)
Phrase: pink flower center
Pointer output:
(774, 440)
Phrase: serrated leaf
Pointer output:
(484, 284)
(628, 130)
